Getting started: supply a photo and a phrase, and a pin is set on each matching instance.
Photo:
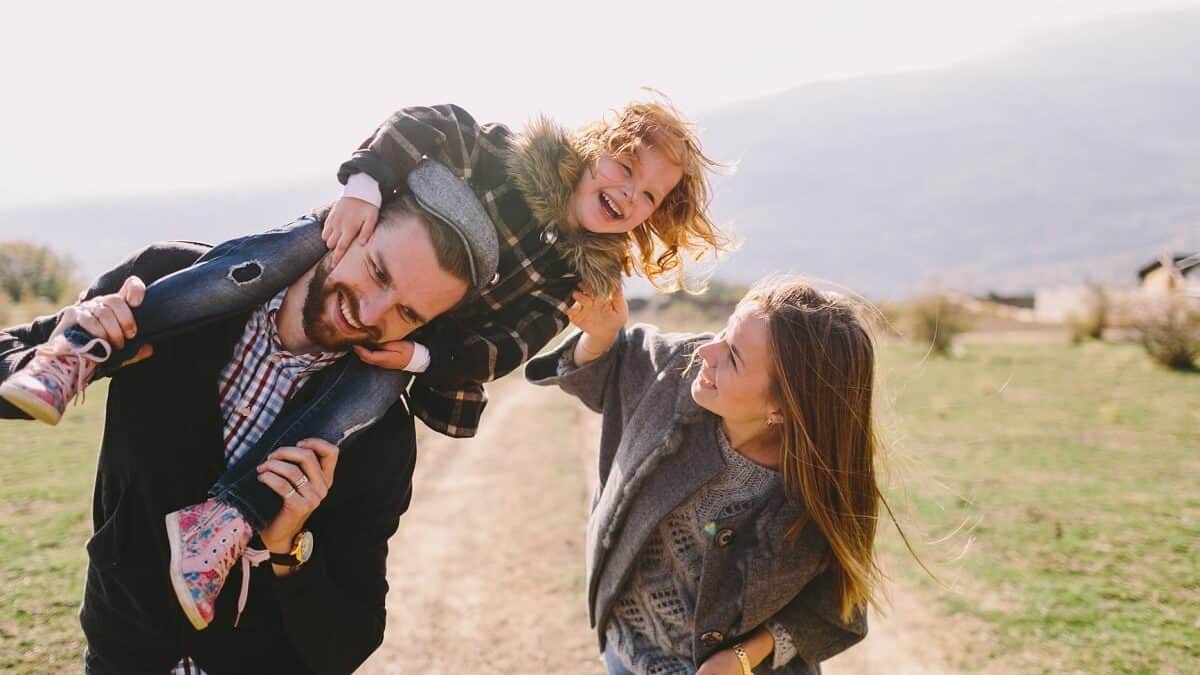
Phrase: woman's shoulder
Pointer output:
(664, 350)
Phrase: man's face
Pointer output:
(380, 291)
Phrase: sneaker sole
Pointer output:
(30, 405)
(177, 582)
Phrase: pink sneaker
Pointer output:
(206, 540)
(58, 372)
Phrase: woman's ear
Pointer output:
(774, 418)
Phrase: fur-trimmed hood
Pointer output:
(545, 164)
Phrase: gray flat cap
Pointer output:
(452, 201)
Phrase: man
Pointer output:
(318, 607)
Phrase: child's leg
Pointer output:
(350, 402)
(206, 539)
(233, 277)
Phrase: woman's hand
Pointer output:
(758, 646)
(600, 320)
(350, 217)
(724, 662)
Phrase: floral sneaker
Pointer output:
(207, 539)
(59, 370)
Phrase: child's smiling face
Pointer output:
(619, 193)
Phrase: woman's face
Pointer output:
(734, 379)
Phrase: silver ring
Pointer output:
(302, 482)
(290, 493)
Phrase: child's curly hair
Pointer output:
(681, 221)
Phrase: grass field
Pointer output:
(1065, 483)
(1062, 480)
(45, 519)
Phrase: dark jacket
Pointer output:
(657, 448)
(524, 181)
(161, 450)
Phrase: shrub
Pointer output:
(29, 271)
(1170, 331)
(935, 319)
(1090, 321)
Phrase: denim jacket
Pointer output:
(658, 447)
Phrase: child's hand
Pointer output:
(601, 319)
(349, 218)
(395, 355)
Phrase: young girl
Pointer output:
(734, 520)
(572, 210)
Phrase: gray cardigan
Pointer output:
(657, 447)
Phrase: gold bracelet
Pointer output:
(740, 651)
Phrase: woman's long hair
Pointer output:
(823, 363)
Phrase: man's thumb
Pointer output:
(133, 291)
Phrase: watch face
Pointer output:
(304, 546)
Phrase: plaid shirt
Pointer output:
(505, 325)
(254, 385)
(260, 378)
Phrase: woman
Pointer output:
(733, 526)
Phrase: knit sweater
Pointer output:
(652, 625)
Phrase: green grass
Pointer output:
(45, 500)
(1067, 480)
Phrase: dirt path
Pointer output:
(486, 570)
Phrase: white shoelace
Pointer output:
(68, 363)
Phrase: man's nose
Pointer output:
(372, 310)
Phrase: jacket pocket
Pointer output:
(108, 542)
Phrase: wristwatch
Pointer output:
(302, 548)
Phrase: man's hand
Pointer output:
(302, 476)
(350, 217)
(395, 355)
(108, 317)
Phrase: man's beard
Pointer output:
(317, 326)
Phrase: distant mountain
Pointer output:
(100, 233)
(1076, 155)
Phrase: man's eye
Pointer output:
(378, 274)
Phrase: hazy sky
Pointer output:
(139, 97)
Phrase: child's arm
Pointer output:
(494, 345)
(375, 172)
(597, 367)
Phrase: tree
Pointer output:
(29, 271)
